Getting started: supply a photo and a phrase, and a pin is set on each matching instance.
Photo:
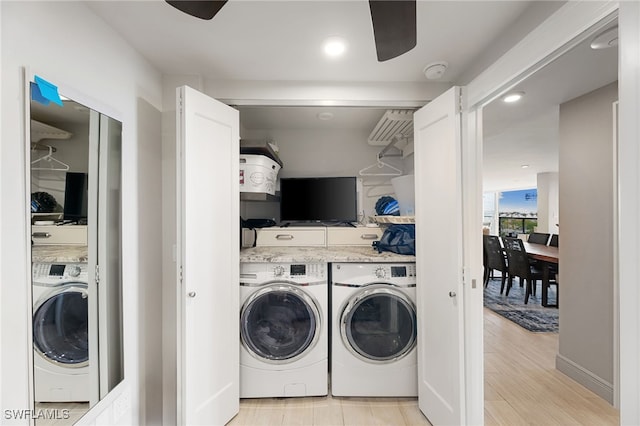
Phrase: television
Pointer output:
(318, 199)
(75, 197)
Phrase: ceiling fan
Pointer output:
(394, 22)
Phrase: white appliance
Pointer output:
(60, 332)
(283, 329)
(373, 343)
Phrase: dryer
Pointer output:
(373, 343)
(60, 332)
(283, 330)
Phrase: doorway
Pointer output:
(520, 144)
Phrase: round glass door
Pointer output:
(379, 324)
(279, 323)
(60, 328)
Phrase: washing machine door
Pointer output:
(60, 326)
(280, 323)
(378, 324)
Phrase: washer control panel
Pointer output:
(295, 271)
(52, 273)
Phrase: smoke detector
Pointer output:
(435, 70)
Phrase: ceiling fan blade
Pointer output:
(394, 27)
(203, 9)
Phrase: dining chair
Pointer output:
(538, 238)
(494, 259)
(554, 240)
(519, 266)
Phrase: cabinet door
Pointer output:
(439, 260)
(208, 259)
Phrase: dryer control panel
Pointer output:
(54, 273)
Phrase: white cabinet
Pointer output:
(292, 237)
(360, 236)
(52, 234)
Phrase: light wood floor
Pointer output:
(522, 387)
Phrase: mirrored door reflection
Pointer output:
(75, 234)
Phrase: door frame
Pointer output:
(571, 24)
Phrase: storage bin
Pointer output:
(291, 237)
(404, 187)
(51, 234)
(258, 174)
(360, 236)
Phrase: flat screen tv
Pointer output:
(318, 199)
(75, 197)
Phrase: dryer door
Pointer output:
(280, 323)
(60, 330)
(378, 324)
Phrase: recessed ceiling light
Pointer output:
(525, 166)
(334, 47)
(513, 97)
(324, 116)
(607, 38)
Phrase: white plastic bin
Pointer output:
(258, 174)
(404, 187)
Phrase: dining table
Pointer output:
(548, 257)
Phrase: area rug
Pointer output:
(532, 316)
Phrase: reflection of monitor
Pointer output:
(75, 196)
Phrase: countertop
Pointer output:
(355, 254)
(59, 254)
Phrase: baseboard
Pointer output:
(585, 377)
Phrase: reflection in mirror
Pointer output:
(76, 268)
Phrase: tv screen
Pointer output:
(75, 196)
(318, 199)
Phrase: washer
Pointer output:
(60, 332)
(373, 343)
(283, 330)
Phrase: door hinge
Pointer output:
(97, 274)
(464, 275)
(180, 274)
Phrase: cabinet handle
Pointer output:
(41, 235)
(369, 236)
(284, 237)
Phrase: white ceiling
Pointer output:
(281, 41)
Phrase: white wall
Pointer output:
(65, 43)
(325, 152)
(586, 250)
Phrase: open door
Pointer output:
(208, 196)
(439, 259)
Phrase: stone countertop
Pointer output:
(59, 253)
(355, 254)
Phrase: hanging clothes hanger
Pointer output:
(380, 168)
(54, 164)
(378, 190)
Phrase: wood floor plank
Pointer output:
(522, 387)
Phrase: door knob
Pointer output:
(452, 294)
(192, 294)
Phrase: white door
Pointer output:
(109, 255)
(208, 259)
(439, 259)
